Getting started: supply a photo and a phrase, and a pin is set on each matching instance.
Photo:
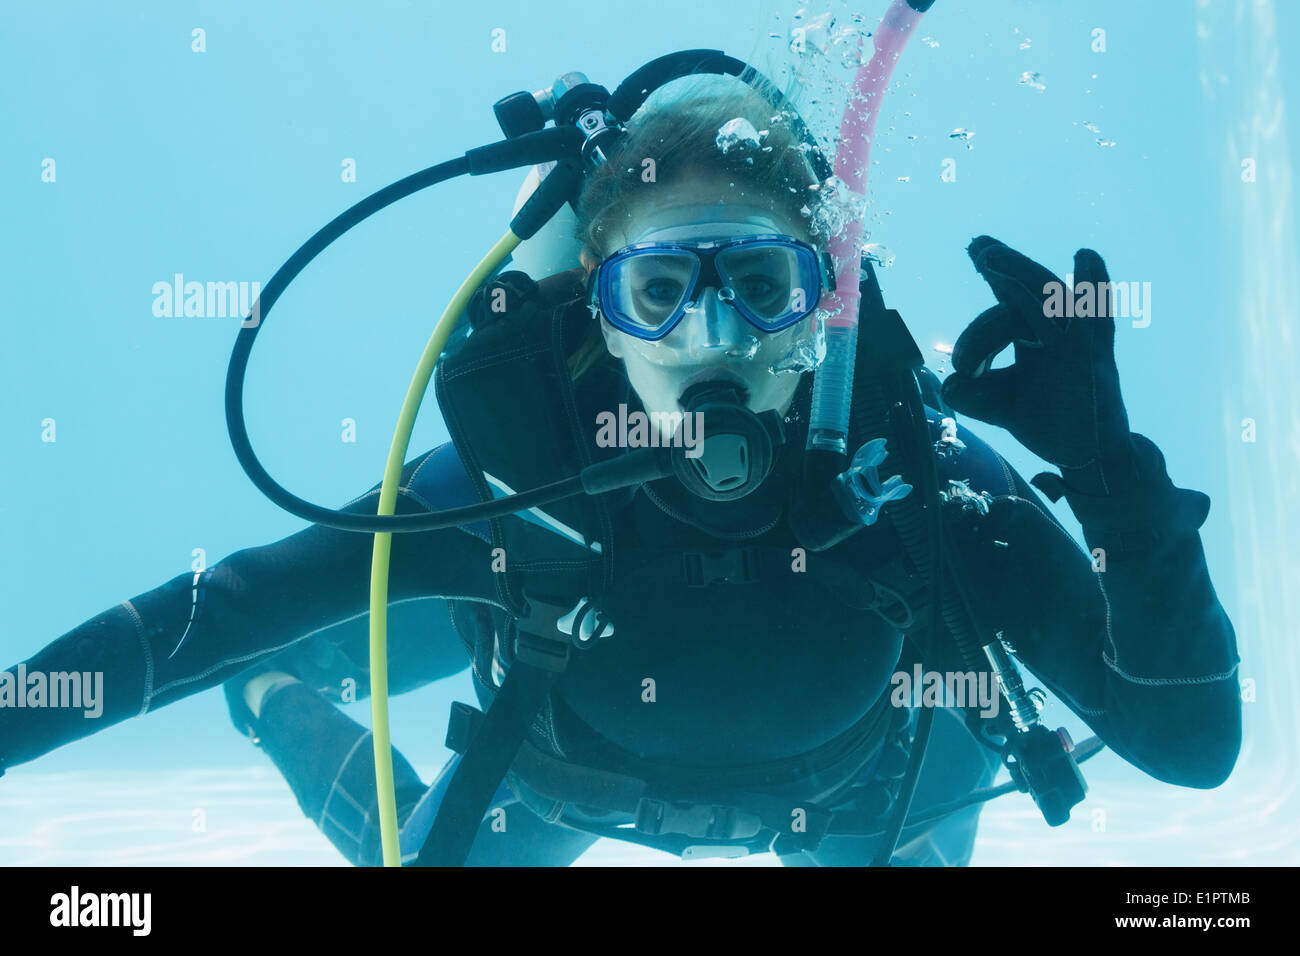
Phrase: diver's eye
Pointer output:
(662, 291)
(756, 287)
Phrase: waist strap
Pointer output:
(678, 816)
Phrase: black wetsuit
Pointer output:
(1143, 652)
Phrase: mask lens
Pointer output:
(645, 290)
(776, 284)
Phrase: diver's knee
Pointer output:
(261, 687)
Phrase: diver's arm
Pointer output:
(195, 631)
(1141, 650)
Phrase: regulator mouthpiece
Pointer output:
(738, 447)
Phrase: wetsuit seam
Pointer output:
(1169, 681)
(1006, 473)
(147, 698)
(403, 490)
(1110, 634)
(341, 826)
(549, 565)
(498, 358)
(424, 461)
(334, 784)
(180, 681)
(416, 496)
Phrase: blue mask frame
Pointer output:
(816, 275)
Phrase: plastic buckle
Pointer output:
(704, 568)
(584, 624)
(545, 653)
(698, 820)
(579, 626)
(462, 726)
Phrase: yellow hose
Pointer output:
(384, 542)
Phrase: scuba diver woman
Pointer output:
(704, 658)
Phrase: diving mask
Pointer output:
(772, 281)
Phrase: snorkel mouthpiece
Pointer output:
(738, 448)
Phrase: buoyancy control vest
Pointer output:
(519, 395)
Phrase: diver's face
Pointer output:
(712, 342)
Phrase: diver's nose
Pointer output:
(715, 324)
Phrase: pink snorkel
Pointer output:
(829, 425)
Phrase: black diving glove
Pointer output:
(1061, 397)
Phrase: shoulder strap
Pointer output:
(541, 656)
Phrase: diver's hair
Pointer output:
(678, 128)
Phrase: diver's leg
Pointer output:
(328, 760)
(526, 840)
(423, 647)
(510, 834)
(955, 764)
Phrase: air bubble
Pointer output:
(963, 135)
(738, 132)
(1031, 80)
(879, 254)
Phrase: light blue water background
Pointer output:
(218, 164)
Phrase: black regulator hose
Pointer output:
(629, 469)
(238, 368)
